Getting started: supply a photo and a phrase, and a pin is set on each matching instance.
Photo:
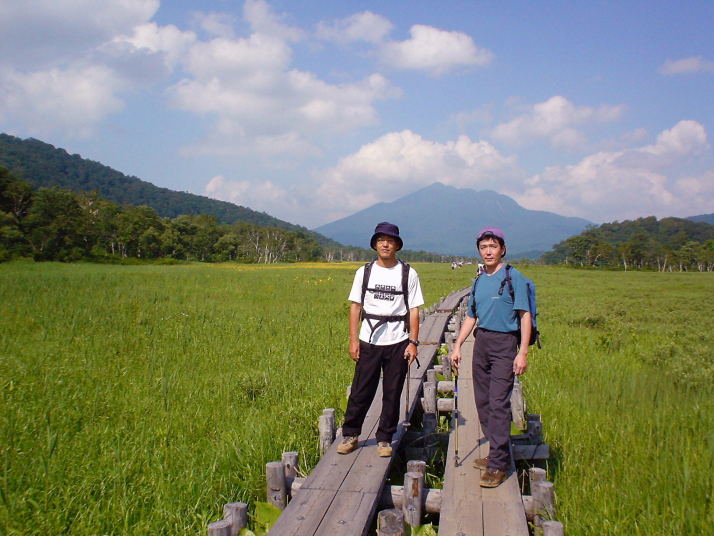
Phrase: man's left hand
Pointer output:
(410, 353)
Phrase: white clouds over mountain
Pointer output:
(629, 183)
(555, 120)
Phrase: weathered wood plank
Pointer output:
(349, 515)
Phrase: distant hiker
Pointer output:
(500, 349)
(386, 295)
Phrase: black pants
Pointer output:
(494, 353)
(373, 359)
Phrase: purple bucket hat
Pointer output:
(389, 229)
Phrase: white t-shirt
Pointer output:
(385, 304)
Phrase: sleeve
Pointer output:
(356, 291)
(416, 299)
(520, 292)
(470, 308)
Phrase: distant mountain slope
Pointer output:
(41, 164)
(706, 218)
(444, 219)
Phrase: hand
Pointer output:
(410, 353)
(354, 350)
(455, 357)
(520, 364)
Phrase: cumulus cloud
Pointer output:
(168, 41)
(434, 50)
(694, 64)
(40, 33)
(399, 162)
(629, 183)
(265, 21)
(72, 99)
(555, 120)
(364, 26)
(247, 86)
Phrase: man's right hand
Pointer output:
(354, 350)
(456, 357)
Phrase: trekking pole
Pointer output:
(456, 417)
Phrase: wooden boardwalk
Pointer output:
(341, 495)
(466, 508)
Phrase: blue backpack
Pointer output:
(532, 307)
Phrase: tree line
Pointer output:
(57, 224)
(645, 243)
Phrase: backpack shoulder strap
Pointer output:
(473, 293)
(507, 279)
(405, 290)
(365, 279)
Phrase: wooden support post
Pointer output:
(535, 429)
(237, 514)
(542, 501)
(220, 528)
(446, 367)
(431, 375)
(552, 528)
(536, 474)
(439, 369)
(518, 406)
(290, 464)
(445, 387)
(445, 404)
(431, 441)
(429, 401)
(416, 466)
(392, 497)
(412, 505)
(275, 489)
(390, 523)
(326, 429)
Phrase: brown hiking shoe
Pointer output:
(492, 478)
(348, 444)
(384, 449)
(481, 463)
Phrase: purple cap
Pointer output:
(389, 229)
(490, 232)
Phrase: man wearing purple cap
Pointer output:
(500, 349)
(386, 295)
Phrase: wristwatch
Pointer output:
(412, 341)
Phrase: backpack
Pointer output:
(382, 319)
(532, 307)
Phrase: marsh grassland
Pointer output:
(139, 399)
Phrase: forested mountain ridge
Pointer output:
(44, 165)
(643, 243)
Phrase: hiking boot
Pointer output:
(384, 449)
(481, 463)
(348, 444)
(492, 478)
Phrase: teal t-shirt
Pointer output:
(499, 312)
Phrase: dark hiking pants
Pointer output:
(494, 353)
(373, 359)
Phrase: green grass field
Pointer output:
(139, 399)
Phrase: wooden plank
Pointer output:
(466, 507)
(461, 509)
(350, 514)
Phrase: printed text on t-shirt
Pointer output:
(387, 296)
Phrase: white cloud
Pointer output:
(41, 32)
(627, 184)
(169, 41)
(263, 20)
(694, 64)
(72, 100)
(216, 24)
(434, 50)
(262, 106)
(401, 162)
(364, 26)
(555, 120)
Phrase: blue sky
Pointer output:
(311, 110)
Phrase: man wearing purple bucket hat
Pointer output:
(386, 295)
(500, 349)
